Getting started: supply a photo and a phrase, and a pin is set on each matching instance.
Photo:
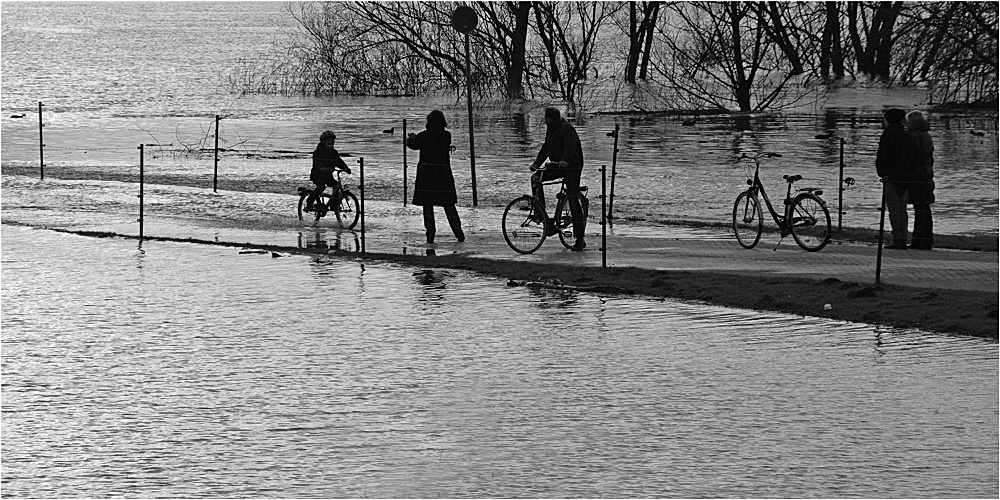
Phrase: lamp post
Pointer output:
(464, 19)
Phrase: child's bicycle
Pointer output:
(341, 202)
(805, 215)
(524, 219)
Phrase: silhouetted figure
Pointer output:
(435, 184)
(562, 146)
(895, 163)
(921, 193)
(326, 159)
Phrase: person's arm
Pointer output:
(413, 141)
(881, 160)
(341, 164)
(542, 155)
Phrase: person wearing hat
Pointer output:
(896, 164)
(326, 159)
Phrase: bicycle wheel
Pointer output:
(523, 224)
(349, 210)
(810, 222)
(564, 222)
(747, 219)
(319, 205)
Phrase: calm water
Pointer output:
(193, 371)
(183, 370)
(153, 73)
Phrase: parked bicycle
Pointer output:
(524, 218)
(341, 201)
(805, 215)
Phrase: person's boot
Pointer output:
(897, 245)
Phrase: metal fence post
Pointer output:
(840, 197)
(41, 144)
(614, 173)
(604, 217)
(881, 231)
(141, 182)
(361, 189)
(215, 178)
(404, 162)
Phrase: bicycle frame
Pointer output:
(756, 186)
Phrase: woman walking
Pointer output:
(435, 184)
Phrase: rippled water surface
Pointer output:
(155, 74)
(185, 370)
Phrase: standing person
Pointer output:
(922, 190)
(895, 163)
(435, 184)
(562, 146)
(326, 159)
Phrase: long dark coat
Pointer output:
(435, 184)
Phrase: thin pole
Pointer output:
(881, 231)
(404, 162)
(472, 137)
(215, 179)
(614, 173)
(141, 183)
(361, 188)
(840, 201)
(41, 144)
(604, 218)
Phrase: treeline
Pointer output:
(745, 56)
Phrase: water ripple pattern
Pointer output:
(184, 370)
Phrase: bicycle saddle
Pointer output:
(792, 178)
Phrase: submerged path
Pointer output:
(394, 232)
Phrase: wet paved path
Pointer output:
(395, 229)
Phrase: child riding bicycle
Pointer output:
(326, 159)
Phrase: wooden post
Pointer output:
(41, 144)
(215, 178)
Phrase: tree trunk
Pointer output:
(889, 12)
(515, 76)
(742, 90)
(650, 29)
(633, 45)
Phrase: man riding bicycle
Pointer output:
(562, 146)
(326, 159)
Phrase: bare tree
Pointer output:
(569, 33)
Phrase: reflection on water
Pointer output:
(183, 370)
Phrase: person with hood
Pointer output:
(326, 159)
(922, 190)
(435, 184)
(896, 163)
(562, 146)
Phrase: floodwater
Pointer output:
(167, 89)
(184, 370)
